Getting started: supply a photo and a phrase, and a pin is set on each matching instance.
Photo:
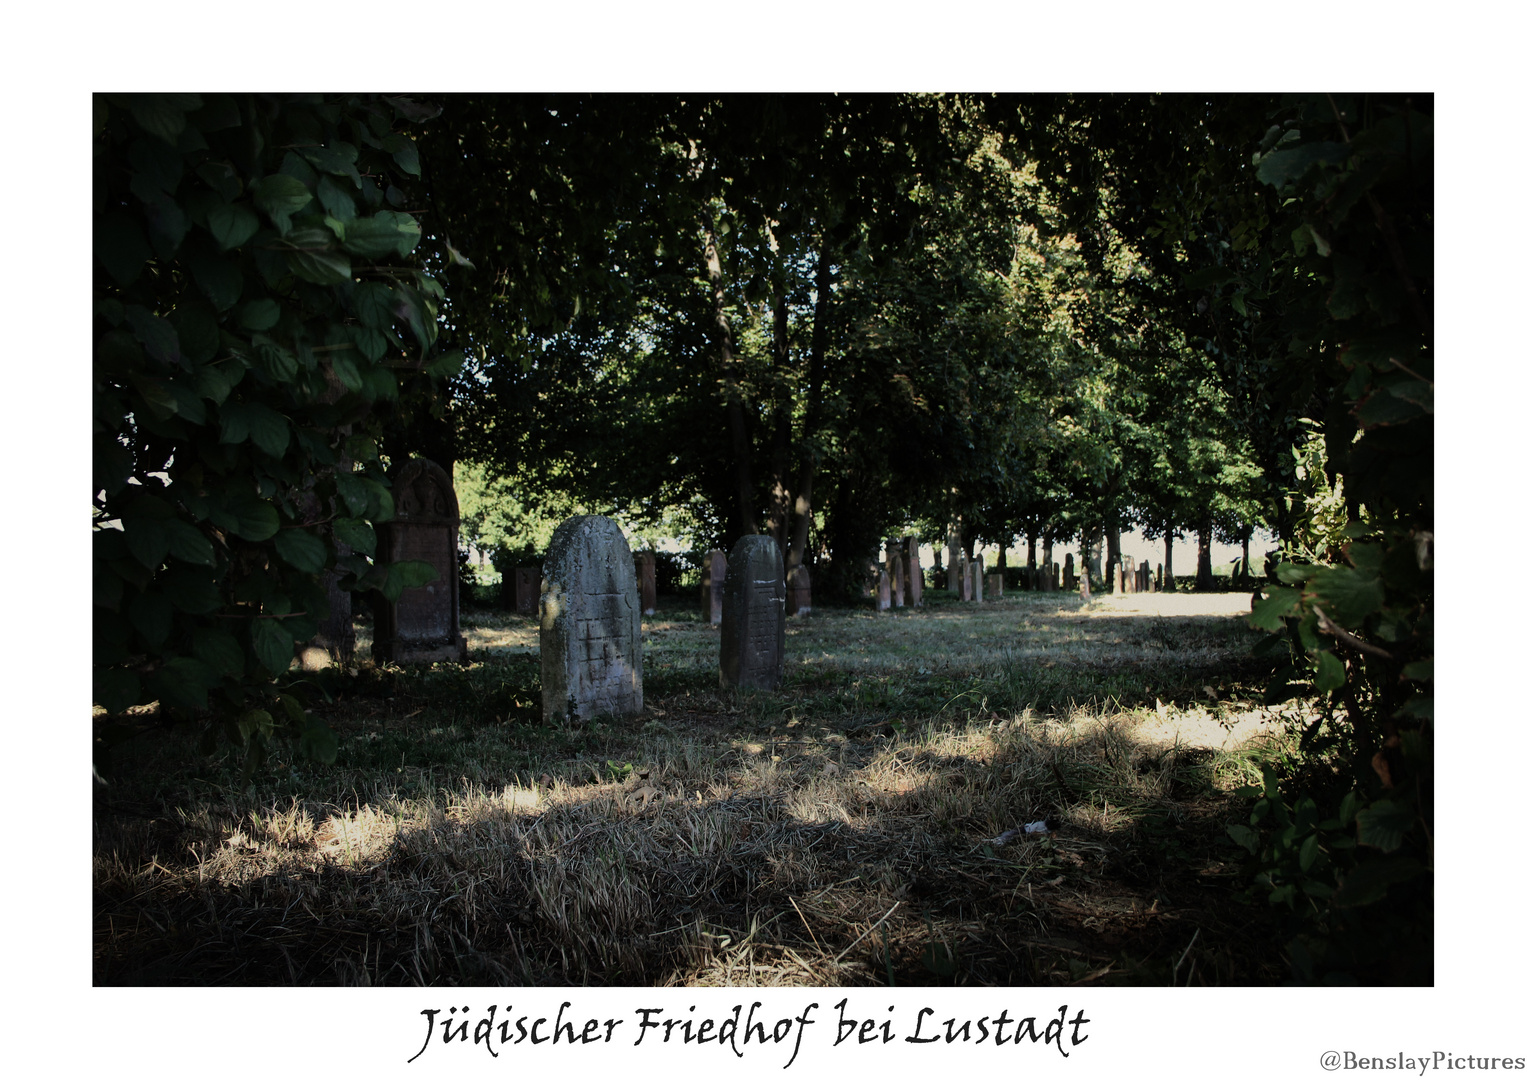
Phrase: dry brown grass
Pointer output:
(844, 832)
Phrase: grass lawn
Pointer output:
(864, 825)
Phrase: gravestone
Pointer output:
(424, 623)
(798, 592)
(1054, 576)
(753, 615)
(1084, 581)
(956, 567)
(882, 589)
(961, 572)
(1145, 578)
(591, 624)
(994, 585)
(712, 577)
(914, 574)
(1068, 577)
(977, 572)
(1118, 578)
(527, 589)
(897, 572)
(1128, 570)
(646, 581)
(1156, 581)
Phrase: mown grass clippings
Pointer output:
(863, 826)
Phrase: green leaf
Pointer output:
(163, 115)
(218, 279)
(407, 574)
(255, 722)
(339, 203)
(152, 616)
(337, 159)
(1267, 613)
(407, 157)
(191, 589)
(281, 196)
(220, 651)
(318, 742)
(1246, 837)
(1330, 673)
(1384, 824)
(159, 338)
(267, 428)
(272, 644)
(384, 234)
(1283, 167)
(184, 681)
(301, 550)
(353, 490)
(1307, 853)
(114, 689)
(232, 224)
(313, 257)
(1294, 573)
(379, 507)
(356, 534)
(121, 247)
(260, 314)
(147, 539)
(188, 543)
(1346, 594)
(253, 518)
(1370, 879)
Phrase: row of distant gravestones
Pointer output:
(592, 594)
(591, 604)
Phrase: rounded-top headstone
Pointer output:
(424, 623)
(753, 615)
(591, 623)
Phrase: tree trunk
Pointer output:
(744, 523)
(816, 373)
(1205, 580)
(1246, 556)
(1168, 582)
(1028, 573)
(1114, 556)
(779, 458)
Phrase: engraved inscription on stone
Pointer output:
(591, 659)
(753, 615)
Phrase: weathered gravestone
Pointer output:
(1128, 570)
(753, 615)
(1145, 578)
(591, 624)
(798, 592)
(1118, 578)
(1054, 576)
(896, 571)
(1085, 583)
(994, 584)
(424, 623)
(1156, 581)
(646, 581)
(882, 589)
(527, 589)
(1068, 575)
(914, 573)
(976, 571)
(712, 576)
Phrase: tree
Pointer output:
(255, 318)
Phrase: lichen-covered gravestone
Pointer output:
(753, 615)
(425, 621)
(591, 624)
(711, 581)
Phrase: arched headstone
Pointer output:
(753, 615)
(591, 623)
(424, 623)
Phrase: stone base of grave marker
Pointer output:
(798, 592)
(646, 581)
(591, 624)
(424, 623)
(753, 615)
